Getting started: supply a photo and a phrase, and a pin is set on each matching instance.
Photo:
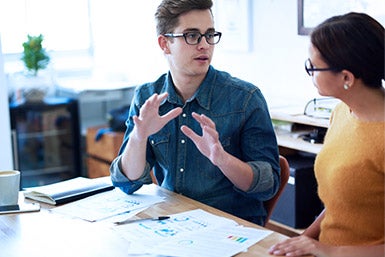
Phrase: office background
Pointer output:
(270, 53)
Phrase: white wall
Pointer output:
(275, 62)
(125, 41)
(6, 161)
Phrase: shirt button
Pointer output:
(183, 141)
(181, 169)
(184, 115)
(152, 142)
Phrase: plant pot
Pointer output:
(31, 88)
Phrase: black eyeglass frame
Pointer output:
(310, 71)
(206, 35)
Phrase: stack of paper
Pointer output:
(192, 233)
(108, 204)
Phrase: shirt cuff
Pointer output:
(263, 179)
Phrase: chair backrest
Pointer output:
(285, 174)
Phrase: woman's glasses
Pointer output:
(310, 69)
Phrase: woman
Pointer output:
(347, 62)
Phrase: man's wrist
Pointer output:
(137, 136)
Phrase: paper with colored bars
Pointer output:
(192, 233)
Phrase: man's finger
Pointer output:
(190, 133)
(172, 114)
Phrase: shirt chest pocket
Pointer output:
(160, 145)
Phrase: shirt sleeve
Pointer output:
(117, 176)
(265, 181)
(261, 150)
(121, 181)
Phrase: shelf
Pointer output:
(291, 127)
(299, 118)
(48, 170)
(292, 140)
(297, 124)
(51, 133)
(46, 140)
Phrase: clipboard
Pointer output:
(20, 208)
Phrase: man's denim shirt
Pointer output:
(245, 130)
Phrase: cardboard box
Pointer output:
(97, 168)
(102, 152)
(107, 147)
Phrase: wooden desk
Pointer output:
(46, 233)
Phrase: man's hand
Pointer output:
(237, 171)
(208, 144)
(149, 121)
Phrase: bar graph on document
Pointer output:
(190, 234)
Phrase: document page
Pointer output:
(224, 241)
(107, 204)
(192, 233)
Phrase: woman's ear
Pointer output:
(163, 44)
(348, 78)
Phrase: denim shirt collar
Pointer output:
(202, 95)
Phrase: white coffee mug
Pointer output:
(9, 187)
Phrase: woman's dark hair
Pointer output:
(355, 42)
(168, 12)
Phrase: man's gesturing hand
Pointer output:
(208, 144)
(149, 121)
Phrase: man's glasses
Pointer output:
(309, 67)
(194, 38)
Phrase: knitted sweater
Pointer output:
(350, 174)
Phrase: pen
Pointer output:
(128, 221)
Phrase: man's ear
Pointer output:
(163, 44)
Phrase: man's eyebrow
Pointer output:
(191, 30)
(210, 30)
(197, 30)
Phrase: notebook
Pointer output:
(68, 190)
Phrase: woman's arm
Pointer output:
(313, 230)
(303, 245)
(308, 243)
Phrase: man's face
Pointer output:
(191, 60)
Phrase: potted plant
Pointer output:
(34, 85)
(34, 56)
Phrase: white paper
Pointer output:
(223, 241)
(107, 204)
(192, 233)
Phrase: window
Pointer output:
(65, 26)
(85, 38)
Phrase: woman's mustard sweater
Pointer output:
(350, 175)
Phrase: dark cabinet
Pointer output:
(46, 140)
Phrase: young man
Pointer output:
(204, 134)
